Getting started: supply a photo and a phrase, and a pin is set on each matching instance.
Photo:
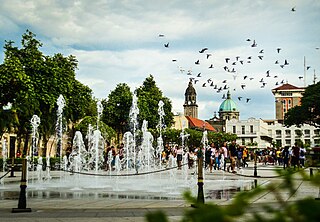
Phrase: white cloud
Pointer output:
(117, 42)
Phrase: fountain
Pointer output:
(160, 126)
(4, 158)
(61, 104)
(133, 115)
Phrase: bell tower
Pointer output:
(190, 101)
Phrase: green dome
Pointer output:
(228, 105)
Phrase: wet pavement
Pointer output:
(132, 206)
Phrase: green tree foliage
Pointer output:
(117, 107)
(32, 82)
(309, 111)
(149, 96)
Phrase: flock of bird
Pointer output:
(230, 67)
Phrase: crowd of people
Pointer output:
(226, 156)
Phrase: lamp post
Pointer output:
(200, 198)
(22, 204)
(255, 173)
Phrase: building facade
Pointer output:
(190, 101)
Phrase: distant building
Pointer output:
(286, 97)
(190, 101)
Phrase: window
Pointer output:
(278, 133)
(279, 143)
(251, 140)
(288, 133)
(243, 129)
(243, 141)
(251, 128)
(306, 133)
(234, 129)
(317, 142)
(288, 142)
(317, 132)
(307, 142)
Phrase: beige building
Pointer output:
(286, 97)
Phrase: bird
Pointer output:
(166, 45)
(227, 60)
(237, 58)
(249, 57)
(286, 62)
(261, 80)
(195, 81)
(209, 80)
(211, 84)
(248, 99)
(254, 44)
(251, 78)
(234, 63)
(308, 67)
(199, 74)
(203, 50)
(293, 9)
(239, 98)
(248, 40)
(261, 51)
(241, 61)
(278, 50)
(260, 57)
(226, 68)
(245, 77)
(281, 66)
(224, 81)
(174, 60)
(275, 77)
(300, 77)
(161, 35)
(282, 81)
(242, 86)
(211, 66)
(276, 62)
(277, 83)
(197, 62)
(224, 96)
(189, 72)
(204, 85)
(208, 55)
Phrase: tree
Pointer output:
(149, 96)
(116, 109)
(309, 111)
(32, 82)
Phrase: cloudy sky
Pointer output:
(118, 42)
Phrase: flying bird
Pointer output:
(242, 86)
(261, 51)
(161, 35)
(260, 57)
(227, 60)
(308, 67)
(174, 60)
(248, 99)
(300, 77)
(276, 62)
(204, 85)
(208, 55)
(248, 40)
(245, 77)
(211, 66)
(239, 98)
(254, 44)
(166, 45)
(199, 74)
(203, 50)
(293, 9)
(278, 50)
(197, 62)
(286, 62)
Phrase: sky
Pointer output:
(124, 41)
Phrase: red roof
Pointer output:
(198, 123)
(287, 86)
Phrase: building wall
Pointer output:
(266, 132)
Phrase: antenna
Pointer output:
(304, 68)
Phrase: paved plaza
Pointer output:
(129, 208)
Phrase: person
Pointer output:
(217, 158)
(191, 158)
(207, 156)
(18, 154)
(245, 157)
(233, 156)
(224, 156)
(302, 156)
(179, 153)
(285, 156)
(295, 155)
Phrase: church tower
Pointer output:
(190, 102)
